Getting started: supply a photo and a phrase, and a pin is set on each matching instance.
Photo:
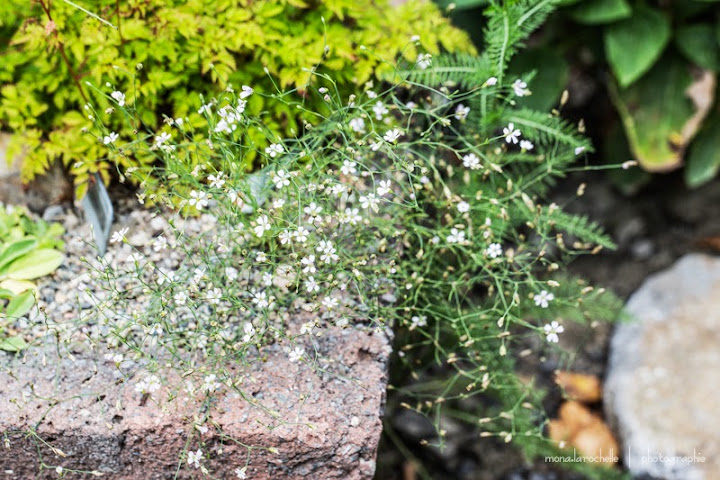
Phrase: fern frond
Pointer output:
(577, 226)
(458, 69)
(509, 23)
(545, 128)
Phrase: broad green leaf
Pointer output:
(16, 250)
(36, 264)
(595, 12)
(704, 157)
(633, 45)
(658, 114)
(549, 81)
(6, 293)
(617, 151)
(13, 344)
(17, 286)
(699, 45)
(20, 305)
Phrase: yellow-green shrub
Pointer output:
(53, 50)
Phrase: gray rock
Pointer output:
(663, 381)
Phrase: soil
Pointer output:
(652, 229)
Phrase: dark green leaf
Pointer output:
(549, 80)
(704, 156)
(654, 111)
(634, 45)
(699, 45)
(595, 12)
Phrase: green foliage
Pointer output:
(399, 207)
(28, 249)
(655, 51)
(185, 46)
(635, 44)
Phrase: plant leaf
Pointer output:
(660, 122)
(699, 45)
(13, 344)
(634, 45)
(595, 12)
(17, 286)
(16, 250)
(21, 304)
(36, 264)
(704, 156)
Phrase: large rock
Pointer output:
(324, 424)
(663, 382)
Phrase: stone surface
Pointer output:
(52, 188)
(324, 424)
(322, 414)
(663, 381)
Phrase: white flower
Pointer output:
(543, 298)
(296, 354)
(180, 298)
(415, 38)
(418, 321)
(463, 207)
(285, 237)
(471, 161)
(491, 81)
(149, 384)
(380, 110)
(108, 139)
(351, 216)
(384, 188)
(411, 105)
(231, 273)
(216, 181)
(461, 112)
(579, 150)
(348, 167)
(456, 236)
(313, 210)
(267, 279)
(246, 92)
(263, 225)
(205, 108)
(511, 134)
(393, 135)
(278, 204)
(309, 263)
(494, 250)
(357, 124)
(526, 145)
(249, 332)
(198, 200)
(162, 138)
(119, 235)
(551, 330)
(520, 88)
(423, 61)
(369, 201)
(193, 458)
(241, 473)
(210, 384)
(119, 97)
(330, 302)
(261, 257)
(274, 150)
(261, 299)
(301, 234)
(311, 285)
(281, 179)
